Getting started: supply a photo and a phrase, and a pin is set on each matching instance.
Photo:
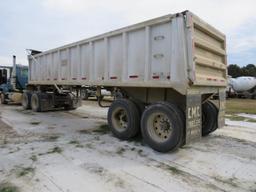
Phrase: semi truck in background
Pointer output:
(13, 80)
(243, 86)
(163, 74)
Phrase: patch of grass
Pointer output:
(174, 170)
(103, 129)
(55, 150)
(241, 106)
(8, 187)
(234, 117)
(33, 158)
(25, 171)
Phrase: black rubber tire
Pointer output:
(140, 105)
(216, 113)
(182, 120)
(175, 139)
(26, 100)
(133, 119)
(36, 102)
(2, 98)
(209, 118)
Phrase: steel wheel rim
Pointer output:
(159, 126)
(120, 119)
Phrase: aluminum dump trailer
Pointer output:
(162, 72)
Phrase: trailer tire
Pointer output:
(36, 102)
(124, 119)
(140, 105)
(26, 100)
(209, 118)
(182, 120)
(3, 100)
(161, 127)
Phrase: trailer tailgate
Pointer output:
(209, 54)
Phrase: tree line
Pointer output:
(236, 71)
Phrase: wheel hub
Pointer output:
(162, 126)
(120, 119)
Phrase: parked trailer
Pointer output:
(162, 73)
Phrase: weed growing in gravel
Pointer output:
(33, 158)
(103, 129)
(52, 138)
(8, 187)
(89, 145)
(75, 142)
(25, 171)
(174, 170)
(55, 150)
(120, 151)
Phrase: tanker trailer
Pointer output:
(162, 73)
(243, 86)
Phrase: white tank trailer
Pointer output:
(242, 86)
(162, 73)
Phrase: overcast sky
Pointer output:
(46, 24)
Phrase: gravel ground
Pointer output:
(74, 151)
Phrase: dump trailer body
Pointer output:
(176, 51)
(172, 64)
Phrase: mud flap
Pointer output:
(193, 118)
(222, 107)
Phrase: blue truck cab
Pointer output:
(13, 81)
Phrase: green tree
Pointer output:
(249, 70)
(234, 70)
